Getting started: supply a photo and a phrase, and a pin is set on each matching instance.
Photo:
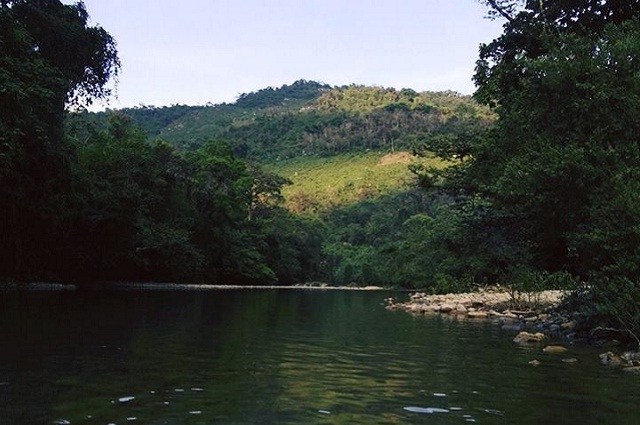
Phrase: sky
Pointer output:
(195, 52)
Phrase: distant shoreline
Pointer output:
(202, 287)
(158, 286)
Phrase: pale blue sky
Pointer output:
(198, 51)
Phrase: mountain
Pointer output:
(296, 183)
(308, 118)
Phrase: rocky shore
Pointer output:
(529, 312)
(535, 319)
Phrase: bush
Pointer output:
(525, 284)
(615, 302)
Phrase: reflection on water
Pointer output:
(281, 357)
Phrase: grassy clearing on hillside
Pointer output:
(320, 184)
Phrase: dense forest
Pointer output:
(290, 240)
(533, 182)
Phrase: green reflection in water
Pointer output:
(282, 357)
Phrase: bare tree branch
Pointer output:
(504, 11)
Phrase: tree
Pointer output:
(49, 58)
(562, 78)
(531, 32)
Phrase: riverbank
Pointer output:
(166, 286)
(486, 304)
(534, 318)
(535, 313)
(204, 287)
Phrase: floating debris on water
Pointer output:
(126, 399)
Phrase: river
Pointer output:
(282, 357)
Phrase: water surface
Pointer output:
(282, 357)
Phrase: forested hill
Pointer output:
(310, 118)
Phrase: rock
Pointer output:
(555, 349)
(610, 359)
(632, 369)
(509, 315)
(445, 308)
(554, 328)
(523, 313)
(568, 325)
(631, 355)
(460, 308)
(511, 327)
(477, 314)
(465, 301)
(528, 338)
(534, 362)
(415, 308)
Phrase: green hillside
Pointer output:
(310, 118)
(319, 184)
(337, 120)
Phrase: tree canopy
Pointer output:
(49, 58)
(555, 176)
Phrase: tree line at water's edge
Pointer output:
(541, 187)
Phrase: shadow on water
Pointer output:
(281, 357)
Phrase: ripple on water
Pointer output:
(493, 412)
(429, 410)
